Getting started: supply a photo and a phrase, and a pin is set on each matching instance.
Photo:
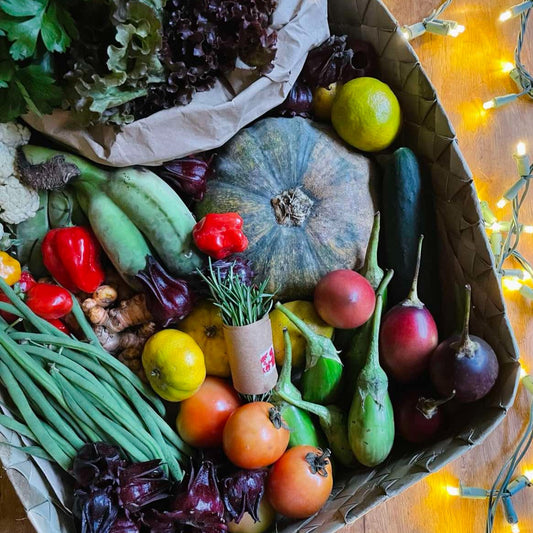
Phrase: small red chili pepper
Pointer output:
(71, 256)
(26, 281)
(220, 234)
(59, 325)
(49, 301)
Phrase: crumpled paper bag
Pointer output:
(212, 117)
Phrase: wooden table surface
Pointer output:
(466, 71)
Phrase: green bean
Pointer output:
(35, 370)
(167, 431)
(40, 400)
(34, 451)
(100, 354)
(127, 441)
(131, 424)
(18, 427)
(65, 445)
(144, 412)
(79, 315)
(81, 429)
(10, 308)
(42, 436)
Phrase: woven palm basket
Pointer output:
(465, 258)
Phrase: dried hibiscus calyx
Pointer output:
(198, 505)
(234, 265)
(97, 464)
(297, 103)
(242, 492)
(168, 299)
(188, 176)
(142, 484)
(336, 59)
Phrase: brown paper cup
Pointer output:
(251, 356)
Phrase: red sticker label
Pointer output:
(268, 361)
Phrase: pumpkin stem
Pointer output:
(291, 207)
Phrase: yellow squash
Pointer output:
(305, 311)
(174, 364)
(204, 325)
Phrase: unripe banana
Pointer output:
(120, 239)
(158, 211)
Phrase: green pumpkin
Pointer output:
(307, 201)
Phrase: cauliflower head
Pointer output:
(18, 202)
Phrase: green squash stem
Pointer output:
(321, 379)
(332, 418)
(371, 417)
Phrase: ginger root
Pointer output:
(129, 313)
(123, 340)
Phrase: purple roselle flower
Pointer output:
(169, 299)
(241, 268)
(188, 176)
(297, 103)
(97, 465)
(242, 492)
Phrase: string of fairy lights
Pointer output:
(504, 238)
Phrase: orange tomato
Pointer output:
(300, 482)
(202, 417)
(255, 435)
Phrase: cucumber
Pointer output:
(407, 212)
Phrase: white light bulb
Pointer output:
(521, 149)
(453, 491)
(489, 104)
(506, 15)
(502, 202)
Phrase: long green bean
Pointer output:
(42, 403)
(116, 433)
(100, 354)
(18, 427)
(31, 419)
(133, 424)
(34, 451)
(34, 369)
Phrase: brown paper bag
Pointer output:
(251, 356)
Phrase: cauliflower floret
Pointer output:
(14, 134)
(17, 201)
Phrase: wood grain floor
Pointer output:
(465, 71)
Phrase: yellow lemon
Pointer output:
(204, 325)
(305, 311)
(174, 364)
(322, 101)
(366, 114)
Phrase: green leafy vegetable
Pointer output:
(22, 21)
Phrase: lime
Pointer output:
(366, 114)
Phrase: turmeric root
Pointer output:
(131, 312)
(115, 341)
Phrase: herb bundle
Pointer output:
(240, 303)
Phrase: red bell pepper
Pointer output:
(220, 234)
(49, 301)
(24, 284)
(71, 256)
(61, 326)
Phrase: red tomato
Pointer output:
(344, 299)
(49, 301)
(300, 482)
(202, 417)
(255, 435)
